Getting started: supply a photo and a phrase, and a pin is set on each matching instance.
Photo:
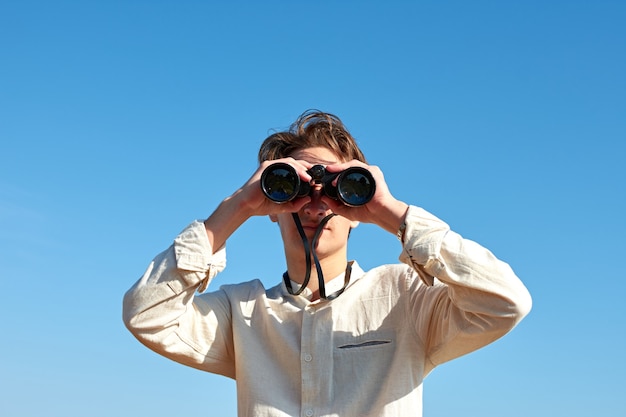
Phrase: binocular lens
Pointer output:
(355, 186)
(280, 182)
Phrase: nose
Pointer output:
(316, 208)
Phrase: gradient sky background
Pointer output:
(122, 121)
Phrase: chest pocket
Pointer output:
(379, 339)
(365, 344)
(363, 357)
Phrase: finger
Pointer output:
(342, 166)
(292, 206)
(301, 168)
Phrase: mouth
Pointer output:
(312, 227)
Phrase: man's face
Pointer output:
(334, 238)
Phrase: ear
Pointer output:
(273, 218)
(354, 224)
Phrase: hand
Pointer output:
(249, 201)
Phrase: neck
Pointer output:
(330, 269)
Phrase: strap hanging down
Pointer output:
(308, 250)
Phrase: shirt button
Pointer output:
(309, 413)
(308, 358)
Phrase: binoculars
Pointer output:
(355, 186)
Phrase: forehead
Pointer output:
(317, 155)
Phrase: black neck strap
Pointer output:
(309, 249)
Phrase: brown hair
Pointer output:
(312, 129)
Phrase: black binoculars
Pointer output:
(355, 186)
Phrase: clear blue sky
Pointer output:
(122, 121)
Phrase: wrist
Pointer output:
(393, 217)
(241, 204)
(226, 218)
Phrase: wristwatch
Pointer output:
(400, 232)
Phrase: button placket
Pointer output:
(308, 388)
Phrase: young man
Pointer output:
(352, 343)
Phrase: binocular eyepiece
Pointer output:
(355, 186)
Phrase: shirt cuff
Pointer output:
(195, 258)
(423, 238)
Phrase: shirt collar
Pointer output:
(333, 285)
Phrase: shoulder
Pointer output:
(390, 270)
(251, 290)
(388, 279)
(244, 290)
(391, 274)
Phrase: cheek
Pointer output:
(287, 227)
(345, 226)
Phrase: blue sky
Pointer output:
(122, 121)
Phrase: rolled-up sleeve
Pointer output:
(467, 297)
(161, 311)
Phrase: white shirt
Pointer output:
(364, 353)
